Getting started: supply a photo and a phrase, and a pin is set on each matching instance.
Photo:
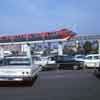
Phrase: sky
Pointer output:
(27, 16)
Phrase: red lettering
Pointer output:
(30, 36)
(24, 36)
(39, 35)
(0, 38)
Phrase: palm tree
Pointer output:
(87, 47)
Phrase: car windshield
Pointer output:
(80, 57)
(15, 61)
(63, 58)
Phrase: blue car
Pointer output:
(67, 62)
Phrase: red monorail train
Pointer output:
(56, 35)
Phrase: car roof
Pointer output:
(93, 55)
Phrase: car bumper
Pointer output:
(18, 81)
(15, 78)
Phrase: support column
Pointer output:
(60, 48)
(1, 52)
(26, 49)
(77, 45)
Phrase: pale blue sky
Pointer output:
(25, 16)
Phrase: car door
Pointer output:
(89, 61)
(96, 61)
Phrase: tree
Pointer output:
(95, 46)
(68, 51)
(87, 47)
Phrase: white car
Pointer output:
(41, 61)
(92, 60)
(45, 62)
(51, 63)
(18, 69)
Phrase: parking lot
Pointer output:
(56, 85)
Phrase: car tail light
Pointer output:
(27, 72)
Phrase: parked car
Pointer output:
(46, 62)
(68, 62)
(41, 61)
(18, 69)
(92, 61)
(51, 63)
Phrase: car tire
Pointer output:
(85, 67)
(75, 67)
(41, 67)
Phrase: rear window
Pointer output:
(15, 61)
(88, 57)
(96, 57)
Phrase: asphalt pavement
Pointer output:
(56, 85)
